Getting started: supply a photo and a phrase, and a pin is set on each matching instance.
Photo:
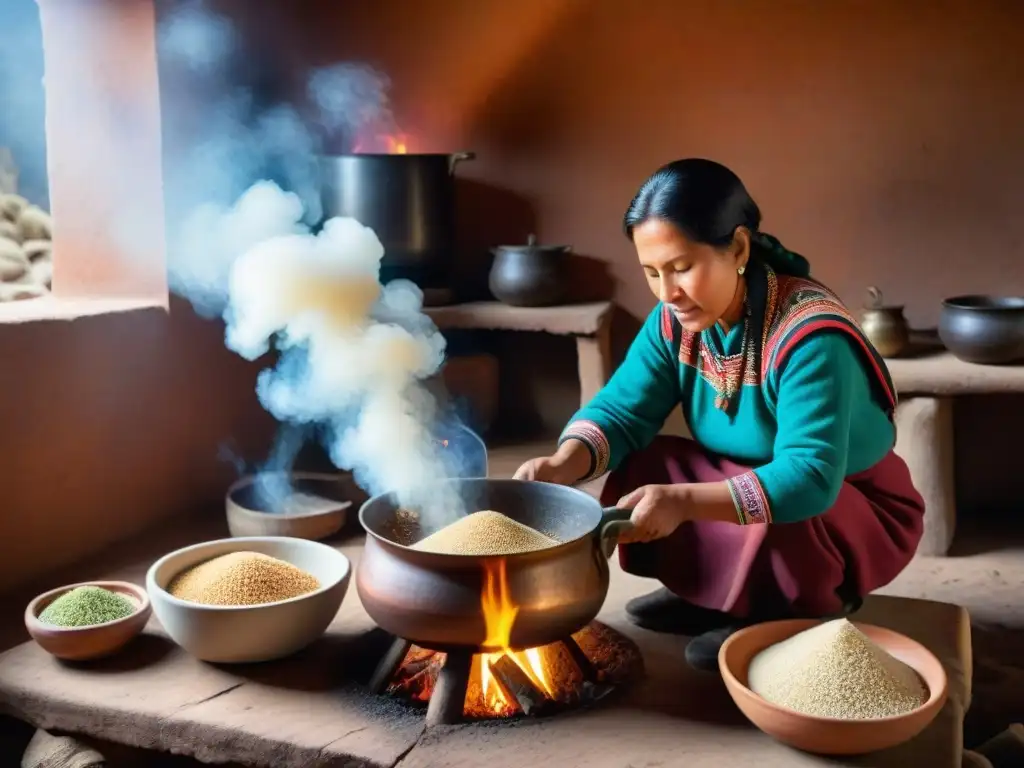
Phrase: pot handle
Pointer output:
(614, 521)
(457, 157)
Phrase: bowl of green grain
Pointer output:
(87, 620)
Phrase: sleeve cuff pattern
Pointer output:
(749, 497)
(592, 436)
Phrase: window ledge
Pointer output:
(51, 308)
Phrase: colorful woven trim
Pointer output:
(592, 436)
(716, 371)
(750, 499)
(804, 306)
(793, 307)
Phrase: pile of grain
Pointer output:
(242, 578)
(86, 607)
(485, 533)
(834, 670)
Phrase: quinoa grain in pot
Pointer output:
(485, 533)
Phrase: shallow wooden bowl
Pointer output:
(95, 641)
(826, 735)
(246, 515)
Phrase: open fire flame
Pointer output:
(397, 146)
(499, 617)
(507, 682)
(548, 669)
(389, 144)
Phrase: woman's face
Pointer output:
(699, 282)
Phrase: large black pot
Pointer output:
(983, 329)
(408, 200)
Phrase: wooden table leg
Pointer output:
(924, 439)
(594, 355)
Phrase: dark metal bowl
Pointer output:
(988, 330)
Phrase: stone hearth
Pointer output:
(575, 673)
(308, 710)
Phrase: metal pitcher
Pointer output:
(885, 326)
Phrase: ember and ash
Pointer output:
(555, 680)
(573, 672)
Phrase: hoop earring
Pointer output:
(741, 270)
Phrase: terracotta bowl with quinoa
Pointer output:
(848, 672)
(248, 599)
(87, 629)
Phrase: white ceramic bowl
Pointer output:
(250, 633)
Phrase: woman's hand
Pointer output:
(567, 466)
(657, 511)
(546, 469)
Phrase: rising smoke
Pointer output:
(353, 354)
(242, 208)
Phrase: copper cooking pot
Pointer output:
(433, 600)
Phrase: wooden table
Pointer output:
(589, 324)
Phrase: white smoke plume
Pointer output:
(242, 201)
(353, 354)
(352, 103)
(353, 351)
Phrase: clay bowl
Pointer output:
(315, 506)
(92, 642)
(250, 633)
(826, 735)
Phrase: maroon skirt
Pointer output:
(806, 568)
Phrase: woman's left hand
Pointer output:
(657, 511)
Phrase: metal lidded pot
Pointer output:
(530, 275)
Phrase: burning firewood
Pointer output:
(577, 671)
(516, 685)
